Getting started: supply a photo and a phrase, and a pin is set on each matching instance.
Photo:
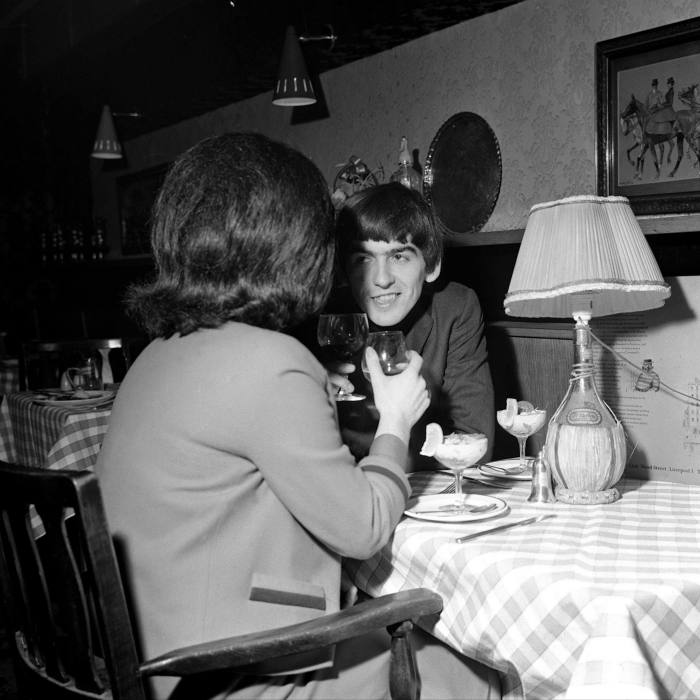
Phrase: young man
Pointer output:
(390, 253)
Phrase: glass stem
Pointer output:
(459, 495)
(522, 441)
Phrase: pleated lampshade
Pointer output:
(106, 142)
(293, 87)
(584, 253)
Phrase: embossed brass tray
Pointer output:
(462, 174)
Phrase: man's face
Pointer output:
(387, 279)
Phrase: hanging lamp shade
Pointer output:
(106, 142)
(293, 88)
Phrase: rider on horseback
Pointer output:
(655, 99)
(661, 118)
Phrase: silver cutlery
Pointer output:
(450, 488)
(488, 482)
(508, 470)
(507, 526)
(448, 508)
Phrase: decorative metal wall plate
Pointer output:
(462, 174)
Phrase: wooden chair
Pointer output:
(42, 362)
(70, 630)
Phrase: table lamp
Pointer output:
(581, 257)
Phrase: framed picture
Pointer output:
(136, 194)
(648, 118)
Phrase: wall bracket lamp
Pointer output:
(293, 87)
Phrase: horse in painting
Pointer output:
(688, 120)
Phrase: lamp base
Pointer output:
(587, 498)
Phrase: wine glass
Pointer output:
(457, 452)
(521, 420)
(391, 349)
(343, 335)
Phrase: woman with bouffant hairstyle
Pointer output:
(223, 472)
(242, 232)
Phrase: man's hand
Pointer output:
(338, 375)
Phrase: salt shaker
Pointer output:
(541, 491)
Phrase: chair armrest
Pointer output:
(323, 631)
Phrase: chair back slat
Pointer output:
(26, 581)
(70, 631)
(64, 582)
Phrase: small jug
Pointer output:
(541, 491)
(87, 377)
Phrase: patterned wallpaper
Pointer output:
(528, 70)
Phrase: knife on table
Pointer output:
(507, 526)
(493, 483)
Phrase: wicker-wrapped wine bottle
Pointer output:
(585, 444)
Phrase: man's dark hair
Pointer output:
(388, 212)
(242, 231)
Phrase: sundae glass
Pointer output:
(456, 451)
(521, 419)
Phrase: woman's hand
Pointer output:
(401, 399)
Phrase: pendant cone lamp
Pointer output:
(106, 144)
(293, 88)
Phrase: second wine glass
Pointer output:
(343, 336)
(391, 349)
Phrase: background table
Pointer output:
(601, 601)
(50, 436)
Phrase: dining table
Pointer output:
(35, 434)
(598, 601)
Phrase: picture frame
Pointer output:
(630, 116)
(136, 194)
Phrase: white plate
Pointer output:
(445, 499)
(67, 400)
(507, 464)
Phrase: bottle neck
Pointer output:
(583, 368)
(583, 350)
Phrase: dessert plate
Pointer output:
(472, 500)
(72, 399)
(487, 469)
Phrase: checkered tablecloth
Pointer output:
(49, 436)
(599, 602)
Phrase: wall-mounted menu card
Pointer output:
(657, 399)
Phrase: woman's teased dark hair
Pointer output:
(242, 231)
(388, 212)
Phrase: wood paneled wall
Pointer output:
(529, 361)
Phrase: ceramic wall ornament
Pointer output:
(352, 177)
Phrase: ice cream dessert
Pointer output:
(455, 449)
(521, 418)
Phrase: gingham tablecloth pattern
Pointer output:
(601, 601)
(50, 436)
